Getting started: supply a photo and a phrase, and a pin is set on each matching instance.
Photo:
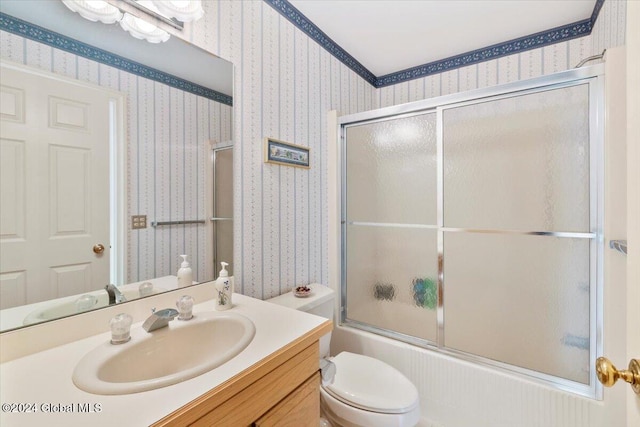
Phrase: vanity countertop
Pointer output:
(41, 382)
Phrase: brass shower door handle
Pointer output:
(98, 248)
(608, 374)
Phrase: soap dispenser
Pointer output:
(223, 289)
(185, 277)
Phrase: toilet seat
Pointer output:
(372, 385)
(344, 415)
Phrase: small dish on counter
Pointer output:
(302, 291)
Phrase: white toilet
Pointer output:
(366, 392)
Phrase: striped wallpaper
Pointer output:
(284, 85)
(167, 130)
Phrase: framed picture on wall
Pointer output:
(285, 153)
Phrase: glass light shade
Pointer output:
(95, 10)
(143, 30)
(182, 10)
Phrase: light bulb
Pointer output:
(95, 10)
(182, 10)
(97, 4)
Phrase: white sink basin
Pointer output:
(72, 305)
(166, 356)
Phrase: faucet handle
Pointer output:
(145, 289)
(120, 328)
(185, 307)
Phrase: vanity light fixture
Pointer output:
(95, 10)
(105, 12)
(182, 10)
(141, 29)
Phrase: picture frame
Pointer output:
(286, 153)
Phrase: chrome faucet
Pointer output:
(115, 296)
(159, 319)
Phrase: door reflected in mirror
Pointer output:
(95, 156)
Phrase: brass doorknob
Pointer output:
(608, 374)
(98, 248)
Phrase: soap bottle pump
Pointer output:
(223, 289)
(185, 276)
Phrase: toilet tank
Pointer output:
(320, 302)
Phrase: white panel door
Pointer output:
(55, 187)
(633, 206)
(622, 221)
(615, 277)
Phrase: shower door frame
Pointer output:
(594, 77)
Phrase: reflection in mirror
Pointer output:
(223, 206)
(107, 171)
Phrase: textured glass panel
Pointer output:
(223, 183)
(523, 300)
(224, 244)
(519, 163)
(392, 278)
(391, 171)
(223, 195)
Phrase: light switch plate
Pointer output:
(138, 222)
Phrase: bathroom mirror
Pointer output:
(175, 121)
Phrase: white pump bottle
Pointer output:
(224, 289)
(185, 276)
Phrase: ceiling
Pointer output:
(387, 36)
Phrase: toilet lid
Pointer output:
(370, 384)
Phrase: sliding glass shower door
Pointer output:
(471, 226)
(391, 246)
(517, 230)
